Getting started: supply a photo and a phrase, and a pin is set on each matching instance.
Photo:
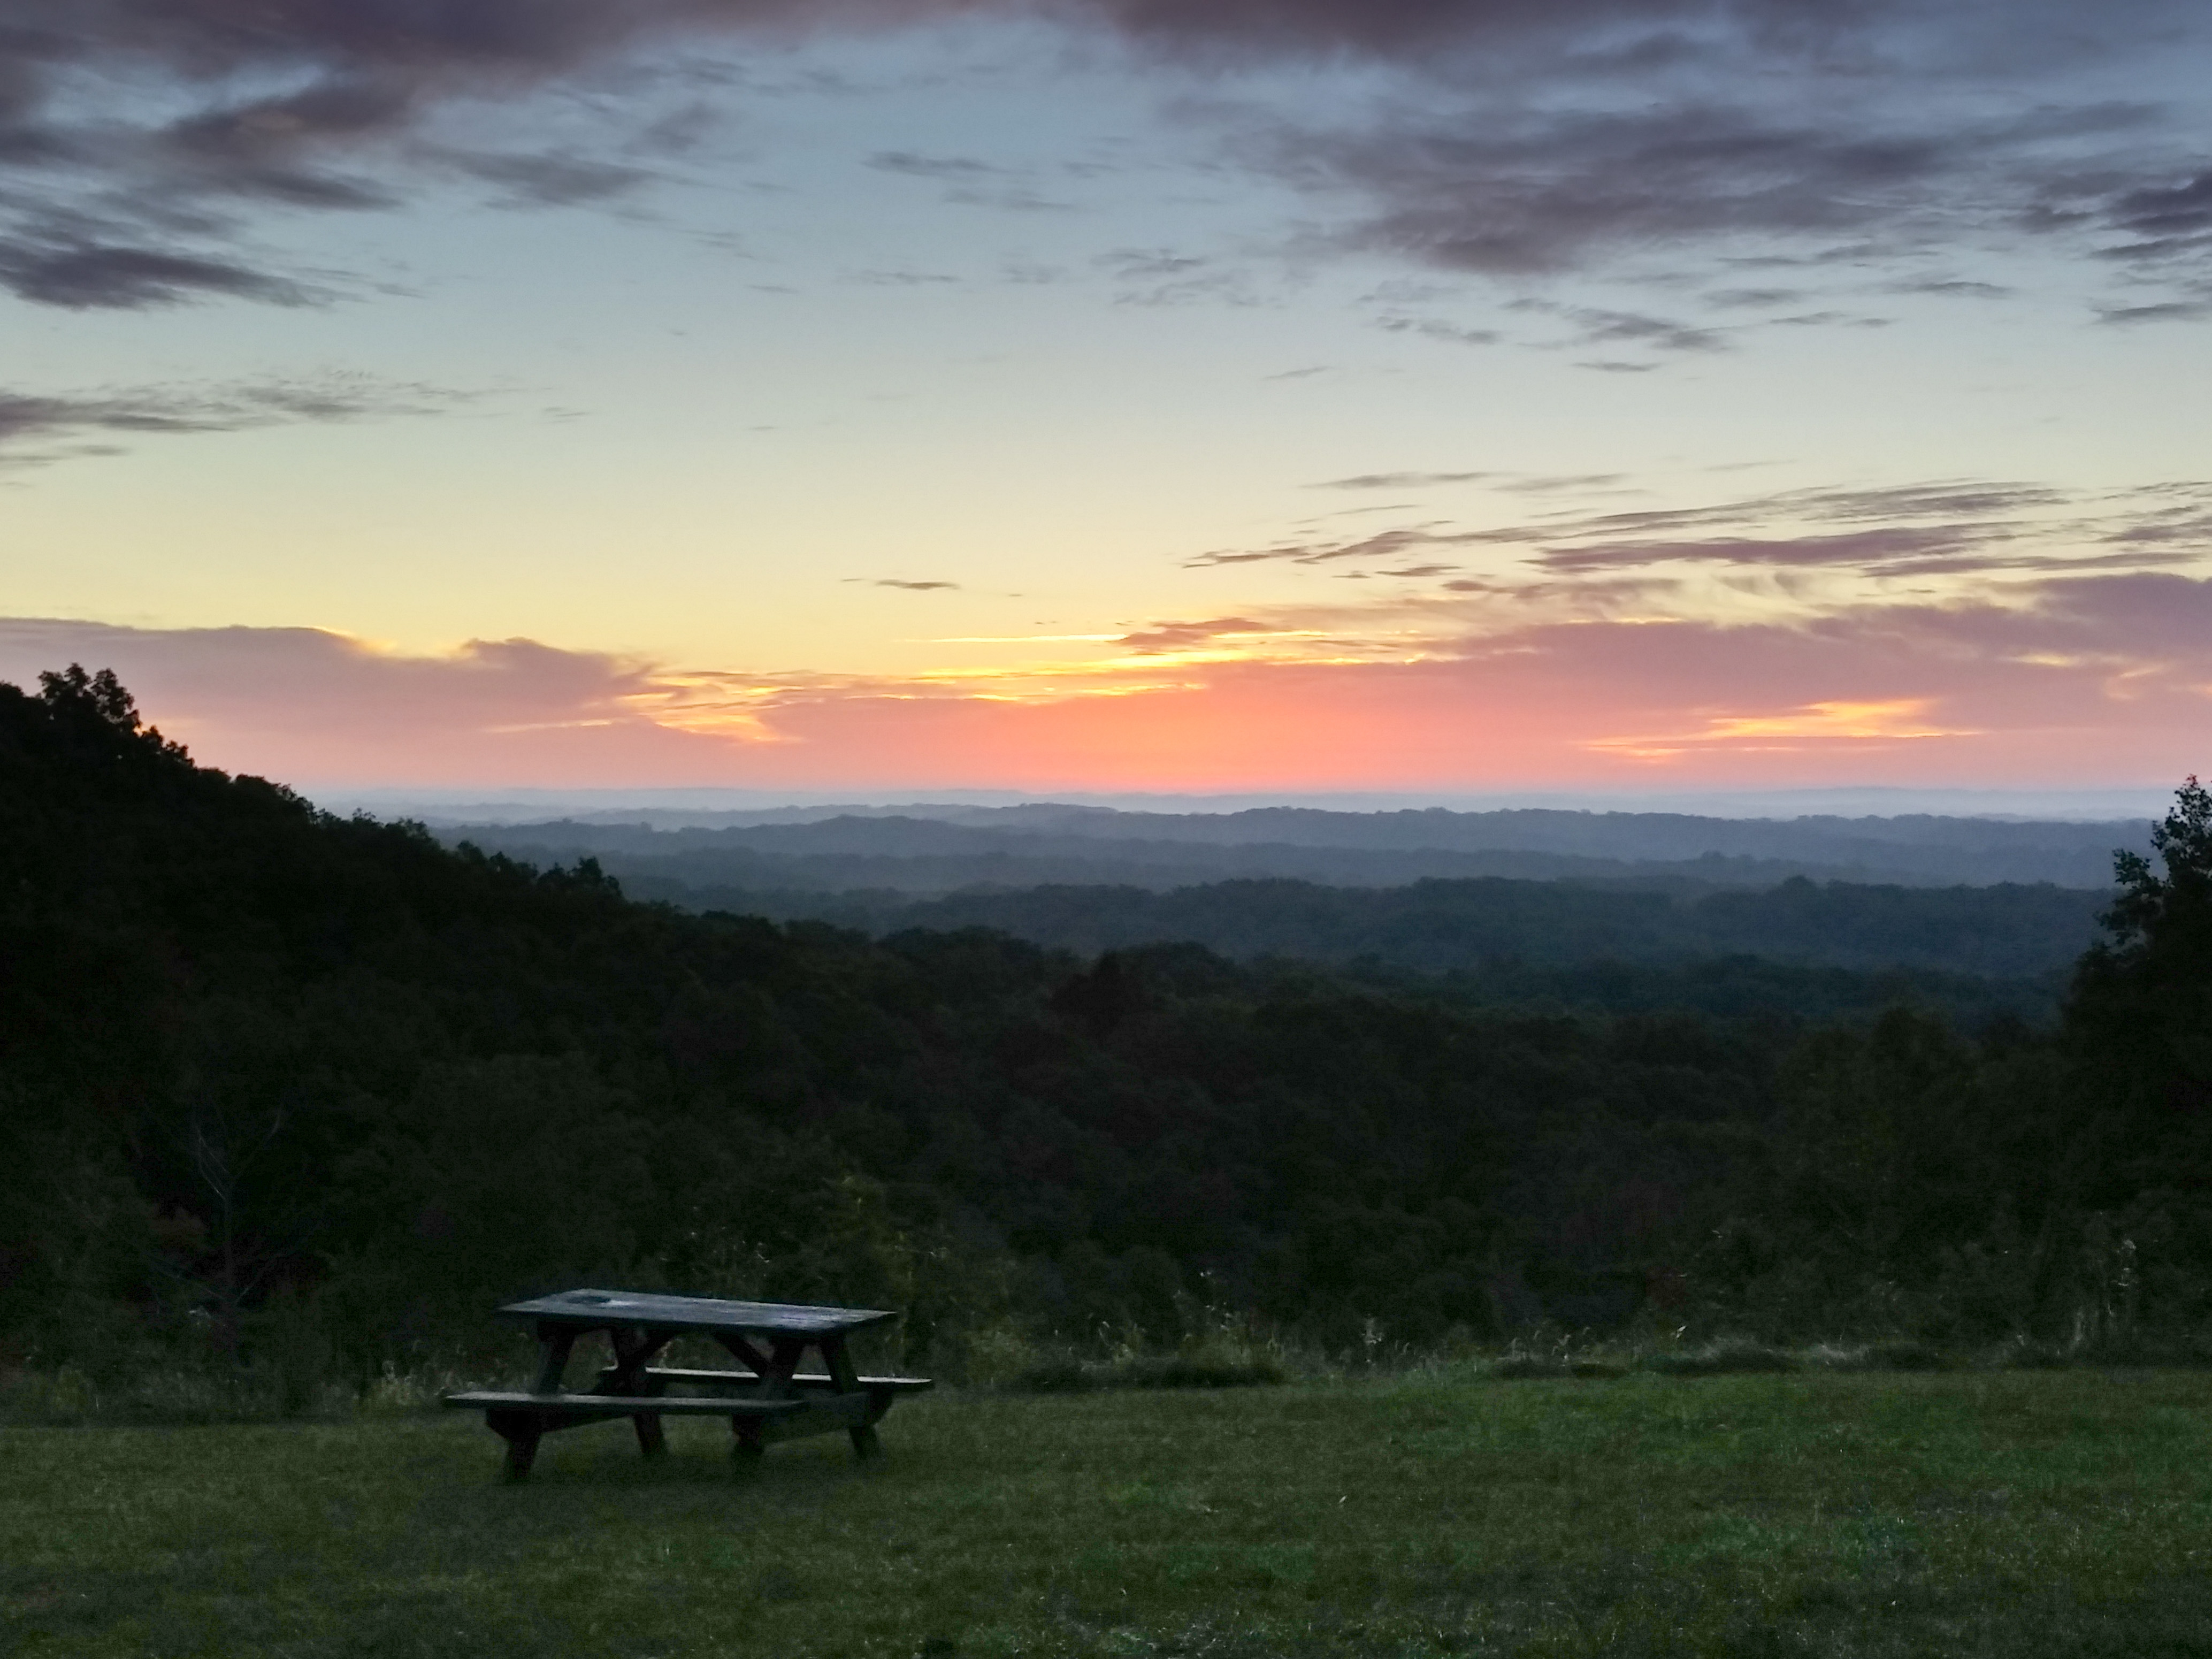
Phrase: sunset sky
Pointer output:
(1177, 395)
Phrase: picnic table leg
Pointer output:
(746, 1354)
(559, 1342)
(522, 1432)
(846, 1379)
(747, 1444)
(633, 1353)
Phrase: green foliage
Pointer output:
(1481, 926)
(299, 1098)
(2142, 997)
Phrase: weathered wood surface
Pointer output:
(604, 1310)
(616, 1404)
(771, 1400)
(846, 1381)
(803, 1380)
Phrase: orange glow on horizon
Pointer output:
(1577, 706)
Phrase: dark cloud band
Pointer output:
(1543, 133)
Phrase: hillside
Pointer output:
(1448, 927)
(930, 849)
(277, 1083)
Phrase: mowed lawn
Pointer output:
(2040, 1513)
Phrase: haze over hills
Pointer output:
(926, 849)
(1430, 892)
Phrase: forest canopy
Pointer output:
(271, 1075)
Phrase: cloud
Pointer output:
(40, 428)
(2164, 217)
(1435, 328)
(1192, 635)
(135, 134)
(1514, 193)
(79, 275)
(1881, 549)
(1870, 141)
(910, 587)
(2163, 311)
(1595, 325)
(1943, 528)
(904, 278)
(1554, 483)
(1737, 298)
(306, 705)
(1386, 544)
(1519, 137)
(552, 179)
(968, 182)
(2085, 678)
(1954, 286)
(1402, 480)
(2093, 679)
(1610, 35)
(916, 166)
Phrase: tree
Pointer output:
(2141, 1000)
(101, 694)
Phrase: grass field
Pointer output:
(2045, 1514)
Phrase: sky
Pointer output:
(1376, 397)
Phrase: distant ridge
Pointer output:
(720, 807)
(946, 847)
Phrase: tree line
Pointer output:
(270, 1075)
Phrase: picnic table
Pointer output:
(771, 1400)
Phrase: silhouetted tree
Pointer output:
(2142, 999)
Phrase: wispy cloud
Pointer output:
(36, 428)
(1595, 325)
(968, 182)
(1438, 328)
(550, 180)
(1924, 530)
(81, 274)
(1190, 636)
(1402, 480)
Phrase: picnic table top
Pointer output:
(597, 1310)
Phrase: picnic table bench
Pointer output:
(771, 1400)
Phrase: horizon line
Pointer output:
(2052, 805)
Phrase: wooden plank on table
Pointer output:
(804, 1380)
(597, 1310)
(585, 1406)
